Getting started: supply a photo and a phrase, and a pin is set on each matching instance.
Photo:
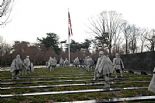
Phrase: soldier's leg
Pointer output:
(118, 72)
(23, 72)
(17, 74)
(90, 68)
(107, 83)
(50, 68)
(30, 68)
(121, 72)
(87, 68)
(13, 74)
(115, 72)
(95, 75)
(53, 67)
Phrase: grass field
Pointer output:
(44, 77)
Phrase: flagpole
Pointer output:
(69, 49)
(69, 33)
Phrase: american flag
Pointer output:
(69, 25)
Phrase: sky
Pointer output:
(30, 19)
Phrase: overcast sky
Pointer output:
(34, 18)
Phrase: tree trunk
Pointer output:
(152, 46)
(126, 48)
(142, 47)
(110, 49)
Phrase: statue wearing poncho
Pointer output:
(49, 64)
(54, 62)
(103, 68)
(152, 83)
(89, 63)
(27, 63)
(16, 67)
(76, 62)
(61, 62)
(118, 65)
(66, 62)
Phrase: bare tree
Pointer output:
(118, 44)
(106, 28)
(126, 29)
(99, 31)
(4, 47)
(113, 25)
(133, 38)
(5, 10)
(150, 37)
(143, 35)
